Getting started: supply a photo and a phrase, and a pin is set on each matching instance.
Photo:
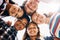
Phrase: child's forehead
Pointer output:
(15, 6)
(40, 15)
(32, 24)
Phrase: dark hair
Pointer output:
(26, 36)
(24, 3)
(10, 1)
(5, 13)
(25, 16)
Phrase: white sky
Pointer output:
(47, 7)
(44, 6)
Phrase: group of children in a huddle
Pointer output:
(24, 23)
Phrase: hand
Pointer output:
(9, 23)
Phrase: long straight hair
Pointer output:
(26, 34)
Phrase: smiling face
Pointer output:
(30, 7)
(19, 25)
(32, 29)
(24, 21)
(37, 18)
(15, 11)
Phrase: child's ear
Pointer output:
(9, 23)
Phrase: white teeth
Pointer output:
(32, 32)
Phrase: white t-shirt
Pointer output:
(10, 18)
(20, 34)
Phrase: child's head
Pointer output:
(37, 18)
(16, 11)
(32, 29)
(19, 25)
(30, 7)
(24, 21)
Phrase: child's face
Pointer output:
(37, 18)
(15, 11)
(24, 21)
(32, 30)
(30, 7)
(19, 25)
